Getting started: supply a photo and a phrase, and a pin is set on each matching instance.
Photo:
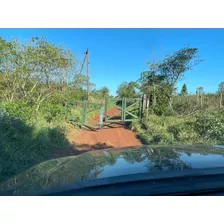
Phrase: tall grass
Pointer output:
(206, 128)
(25, 142)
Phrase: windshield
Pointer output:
(96, 108)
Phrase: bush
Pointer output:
(184, 133)
(18, 110)
(23, 145)
(166, 130)
(207, 128)
(184, 105)
(53, 112)
(28, 138)
(210, 126)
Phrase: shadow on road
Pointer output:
(107, 126)
(79, 149)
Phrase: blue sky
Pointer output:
(118, 55)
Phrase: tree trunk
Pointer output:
(144, 104)
(154, 95)
(170, 98)
(201, 100)
(170, 104)
(197, 97)
(220, 100)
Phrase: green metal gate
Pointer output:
(84, 113)
(75, 112)
(127, 109)
(90, 114)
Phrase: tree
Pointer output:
(128, 89)
(100, 94)
(81, 81)
(151, 81)
(184, 90)
(174, 66)
(9, 79)
(221, 87)
(104, 92)
(50, 66)
(33, 70)
(153, 84)
(221, 92)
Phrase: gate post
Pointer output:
(101, 117)
(84, 112)
(144, 106)
(124, 112)
(122, 109)
(140, 108)
(105, 108)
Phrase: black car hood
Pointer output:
(111, 163)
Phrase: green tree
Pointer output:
(221, 87)
(150, 84)
(153, 85)
(81, 81)
(184, 90)
(174, 66)
(34, 70)
(101, 93)
(128, 89)
(104, 92)
(10, 78)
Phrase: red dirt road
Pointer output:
(114, 135)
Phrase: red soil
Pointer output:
(114, 135)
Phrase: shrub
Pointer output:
(24, 145)
(207, 128)
(53, 112)
(210, 126)
(184, 105)
(166, 130)
(18, 110)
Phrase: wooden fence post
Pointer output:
(220, 100)
(144, 104)
(84, 112)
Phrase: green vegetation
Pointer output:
(128, 90)
(37, 80)
(184, 90)
(178, 118)
(206, 128)
(23, 144)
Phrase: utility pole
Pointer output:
(153, 72)
(86, 59)
(87, 72)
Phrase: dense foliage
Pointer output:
(178, 118)
(37, 79)
(206, 128)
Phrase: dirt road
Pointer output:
(114, 135)
(111, 136)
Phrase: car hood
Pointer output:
(111, 163)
